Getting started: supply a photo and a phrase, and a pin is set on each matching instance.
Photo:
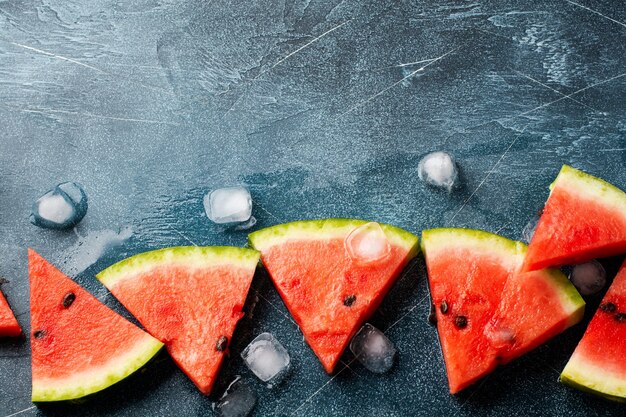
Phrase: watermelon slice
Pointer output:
(9, 327)
(79, 345)
(327, 291)
(487, 312)
(190, 298)
(597, 365)
(584, 218)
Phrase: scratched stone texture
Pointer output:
(323, 109)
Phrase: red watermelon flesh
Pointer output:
(79, 345)
(597, 365)
(583, 219)
(488, 313)
(535, 306)
(190, 298)
(328, 293)
(8, 324)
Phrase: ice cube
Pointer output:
(55, 208)
(60, 208)
(246, 225)
(92, 246)
(432, 315)
(238, 400)
(373, 349)
(499, 336)
(529, 230)
(367, 243)
(438, 169)
(74, 191)
(588, 278)
(267, 358)
(228, 205)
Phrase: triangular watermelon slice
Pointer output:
(190, 298)
(598, 365)
(584, 218)
(328, 293)
(9, 327)
(487, 312)
(79, 345)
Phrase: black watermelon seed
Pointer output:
(608, 307)
(620, 317)
(221, 344)
(349, 300)
(460, 322)
(443, 307)
(39, 334)
(3, 281)
(432, 317)
(540, 212)
(68, 299)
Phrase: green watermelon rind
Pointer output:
(590, 186)
(571, 300)
(89, 382)
(327, 228)
(202, 256)
(433, 238)
(588, 378)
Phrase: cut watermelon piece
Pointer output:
(9, 327)
(597, 365)
(79, 345)
(190, 298)
(329, 293)
(583, 219)
(535, 306)
(487, 312)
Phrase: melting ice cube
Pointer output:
(60, 208)
(228, 205)
(246, 225)
(498, 335)
(588, 278)
(267, 358)
(367, 243)
(89, 248)
(373, 349)
(529, 230)
(238, 400)
(438, 169)
(55, 208)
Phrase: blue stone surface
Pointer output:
(322, 109)
(238, 401)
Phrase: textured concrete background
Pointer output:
(323, 108)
